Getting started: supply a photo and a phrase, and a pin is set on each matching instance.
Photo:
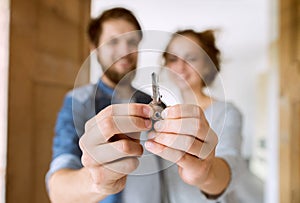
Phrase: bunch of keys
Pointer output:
(157, 105)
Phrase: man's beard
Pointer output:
(116, 77)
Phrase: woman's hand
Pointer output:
(185, 138)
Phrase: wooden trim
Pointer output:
(289, 142)
(46, 52)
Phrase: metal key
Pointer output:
(157, 105)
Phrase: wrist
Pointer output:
(217, 179)
(211, 176)
(95, 192)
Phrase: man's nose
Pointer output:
(124, 49)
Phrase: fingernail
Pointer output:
(151, 135)
(148, 123)
(164, 113)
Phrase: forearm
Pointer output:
(69, 185)
(218, 179)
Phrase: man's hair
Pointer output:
(96, 25)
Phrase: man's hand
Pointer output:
(185, 138)
(110, 145)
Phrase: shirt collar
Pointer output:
(105, 88)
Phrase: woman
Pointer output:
(194, 60)
(208, 165)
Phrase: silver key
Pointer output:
(156, 103)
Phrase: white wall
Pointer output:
(272, 178)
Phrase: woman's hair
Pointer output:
(206, 40)
(96, 25)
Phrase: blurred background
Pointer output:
(43, 44)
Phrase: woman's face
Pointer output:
(186, 59)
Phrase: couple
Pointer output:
(96, 144)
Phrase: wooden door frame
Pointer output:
(289, 107)
(34, 52)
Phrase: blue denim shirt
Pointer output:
(79, 106)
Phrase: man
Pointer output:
(96, 146)
(67, 180)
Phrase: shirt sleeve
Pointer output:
(228, 127)
(65, 149)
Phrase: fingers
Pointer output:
(133, 109)
(132, 136)
(183, 143)
(183, 130)
(110, 146)
(110, 126)
(116, 119)
(112, 151)
(188, 126)
(109, 164)
(116, 150)
(182, 111)
(164, 151)
(192, 170)
(111, 178)
(182, 158)
(186, 119)
(114, 170)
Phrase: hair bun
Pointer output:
(207, 37)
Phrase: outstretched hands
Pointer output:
(110, 144)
